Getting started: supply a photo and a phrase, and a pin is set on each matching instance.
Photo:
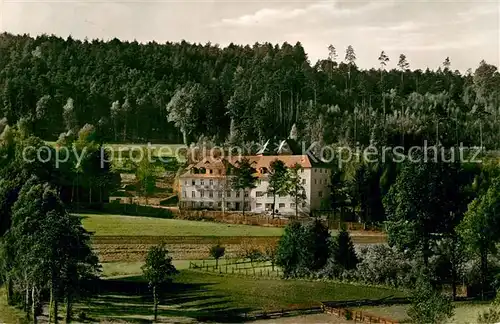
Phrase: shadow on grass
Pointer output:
(130, 299)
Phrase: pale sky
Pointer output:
(425, 31)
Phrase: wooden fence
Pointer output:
(343, 309)
(232, 217)
(358, 316)
(265, 220)
(238, 269)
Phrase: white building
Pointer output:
(207, 185)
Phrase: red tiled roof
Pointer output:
(258, 162)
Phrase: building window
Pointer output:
(281, 205)
(211, 194)
(202, 193)
(320, 194)
(219, 204)
(259, 194)
(303, 181)
(292, 205)
(185, 182)
(258, 205)
(238, 194)
(193, 182)
(228, 194)
(259, 182)
(282, 194)
(220, 194)
(246, 205)
(211, 182)
(315, 170)
(202, 182)
(210, 171)
(320, 170)
(228, 204)
(315, 182)
(246, 193)
(269, 194)
(193, 194)
(303, 204)
(210, 204)
(184, 194)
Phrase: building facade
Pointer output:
(207, 185)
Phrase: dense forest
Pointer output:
(176, 92)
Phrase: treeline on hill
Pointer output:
(180, 91)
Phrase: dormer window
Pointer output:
(263, 170)
(194, 170)
(210, 171)
(203, 171)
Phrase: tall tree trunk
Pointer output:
(68, 307)
(274, 203)
(33, 304)
(27, 300)
(51, 303)
(10, 292)
(56, 309)
(454, 261)
(155, 301)
(296, 205)
(184, 137)
(90, 192)
(484, 271)
(243, 207)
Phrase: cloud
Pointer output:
(404, 26)
(421, 42)
(329, 8)
(475, 12)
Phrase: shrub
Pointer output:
(170, 201)
(384, 265)
(137, 210)
(316, 246)
(490, 316)
(344, 252)
(429, 305)
(217, 251)
(82, 316)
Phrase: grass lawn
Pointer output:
(117, 269)
(114, 269)
(9, 314)
(203, 296)
(465, 312)
(116, 225)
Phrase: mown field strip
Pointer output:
(117, 239)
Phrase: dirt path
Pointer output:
(315, 318)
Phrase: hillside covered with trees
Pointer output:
(180, 91)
